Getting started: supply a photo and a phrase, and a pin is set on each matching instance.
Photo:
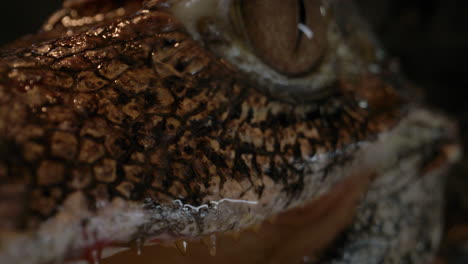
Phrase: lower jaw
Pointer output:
(296, 236)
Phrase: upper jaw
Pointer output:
(423, 142)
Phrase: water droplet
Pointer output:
(139, 244)
(363, 104)
(182, 247)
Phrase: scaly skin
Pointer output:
(102, 130)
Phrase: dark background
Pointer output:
(20, 17)
(428, 37)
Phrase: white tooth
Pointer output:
(182, 246)
(139, 244)
(213, 245)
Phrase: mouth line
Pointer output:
(304, 231)
(297, 234)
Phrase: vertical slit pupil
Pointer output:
(302, 12)
(302, 20)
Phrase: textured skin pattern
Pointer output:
(127, 105)
(137, 109)
(396, 229)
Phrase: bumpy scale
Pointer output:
(106, 120)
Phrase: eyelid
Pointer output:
(189, 12)
(213, 23)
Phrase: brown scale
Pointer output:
(137, 109)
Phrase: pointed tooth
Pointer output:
(213, 245)
(182, 247)
(139, 245)
(210, 242)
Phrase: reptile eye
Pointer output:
(288, 35)
(289, 48)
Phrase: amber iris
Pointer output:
(288, 35)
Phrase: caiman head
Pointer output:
(168, 122)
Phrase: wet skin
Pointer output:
(118, 124)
